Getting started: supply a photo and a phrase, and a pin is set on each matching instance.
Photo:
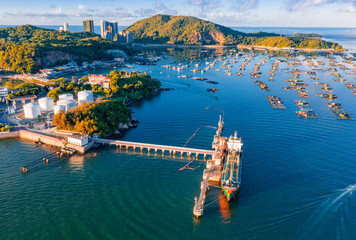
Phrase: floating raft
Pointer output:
(338, 112)
(275, 102)
(306, 113)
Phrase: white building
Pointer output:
(4, 91)
(78, 139)
(66, 27)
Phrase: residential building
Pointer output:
(66, 27)
(4, 91)
(129, 37)
(124, 37)
(101, 79)
(108, 30)
(88, 26)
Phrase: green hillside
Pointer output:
(161, 29)
(26, 48)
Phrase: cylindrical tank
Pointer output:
(58, 108)
(85, 96)
(67, 103)
(46, 104)
(32, 110)
(65, 96)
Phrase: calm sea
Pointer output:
(298, 175)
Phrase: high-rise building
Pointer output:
(129, 37)
(108, 30)
(66, 27)
(88, 26)
(124, 37)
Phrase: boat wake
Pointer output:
(328, 210)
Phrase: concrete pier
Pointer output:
(199, 202)
(156, 147)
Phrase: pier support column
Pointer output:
(141, 149)
(189, 154)
(204, 156)
(170, 152)
(174, 153)
(155, 150)
(148, 150)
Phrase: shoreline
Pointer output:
(238, 46)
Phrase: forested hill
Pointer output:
(26, 48)
(161, 29)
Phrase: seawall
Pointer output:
(45, 139)
(7, 135)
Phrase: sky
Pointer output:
(234, 13)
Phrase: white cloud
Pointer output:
(304, 4)
(162, 8)
(80, 7)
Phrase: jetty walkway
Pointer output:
(155, 147)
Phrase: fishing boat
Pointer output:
(231, 176)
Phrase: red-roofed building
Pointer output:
(101, 79)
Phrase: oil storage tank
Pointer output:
(85, 96)
(58, 108)
(32, 110)
(46, 104)
(65, 96)
(67, 104)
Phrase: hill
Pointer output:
(27, 48)
(160, 29)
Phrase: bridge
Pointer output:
(155, 147)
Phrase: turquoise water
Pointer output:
(298, 176)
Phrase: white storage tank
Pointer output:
(68, 104)
(85, 96)
(32, 110)
(58, 108)
(46, 104)
(65, 96)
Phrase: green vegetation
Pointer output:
(307, 35)
(161, 29)
(295, 42)
(11, 83)
(24, 88)
(94, 118)
(4, 128)
(122, 85)
(131, 85)
(26, 48)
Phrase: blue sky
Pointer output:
(256, 13)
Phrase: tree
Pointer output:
(54, 93)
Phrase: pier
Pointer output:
(199, 202)
(213, 170)
(156, 148)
